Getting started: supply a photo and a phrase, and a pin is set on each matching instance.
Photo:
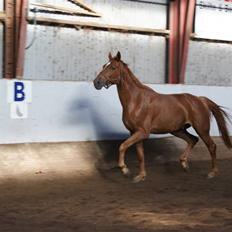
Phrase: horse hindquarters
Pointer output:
(201, 124)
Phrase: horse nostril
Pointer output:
(97, 84)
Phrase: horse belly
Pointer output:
(168, 123)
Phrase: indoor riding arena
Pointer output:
(115, 115)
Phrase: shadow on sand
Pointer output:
(156, 150)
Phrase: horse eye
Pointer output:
(112, 67)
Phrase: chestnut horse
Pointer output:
(148, 112)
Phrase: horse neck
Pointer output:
(128, 86)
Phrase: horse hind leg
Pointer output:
(191, 141)
(212, 150)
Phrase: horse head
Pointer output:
(110, 73)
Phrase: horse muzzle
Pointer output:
(98, 83)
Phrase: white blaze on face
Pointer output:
(107, 64)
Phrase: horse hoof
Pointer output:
(138, 178)
(185, 166)
(212, 175)
(125, 171)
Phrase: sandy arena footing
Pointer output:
(71, 187)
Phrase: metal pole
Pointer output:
(190, 11)
(21, 42)
(173, 59)
(9, 40)
(180, 26)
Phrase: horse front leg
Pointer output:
(142, 171)
(134, 138)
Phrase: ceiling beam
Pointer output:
(66, 10)
(97, 26)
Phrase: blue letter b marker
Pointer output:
(19, 94)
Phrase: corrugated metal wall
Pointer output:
(118, 12)
(209, 64)
(213, 19)
(70, 54)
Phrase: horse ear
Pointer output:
(110, 56)
(118, 56)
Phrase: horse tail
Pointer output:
(221, 116)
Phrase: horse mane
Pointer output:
(133, 77)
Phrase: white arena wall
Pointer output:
(75, 111)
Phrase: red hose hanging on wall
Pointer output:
(181, 16)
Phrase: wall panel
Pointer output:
(213, 19)
(118, 12)
(1, 50)
(76, 111)
(209, 64)
(70, 54)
